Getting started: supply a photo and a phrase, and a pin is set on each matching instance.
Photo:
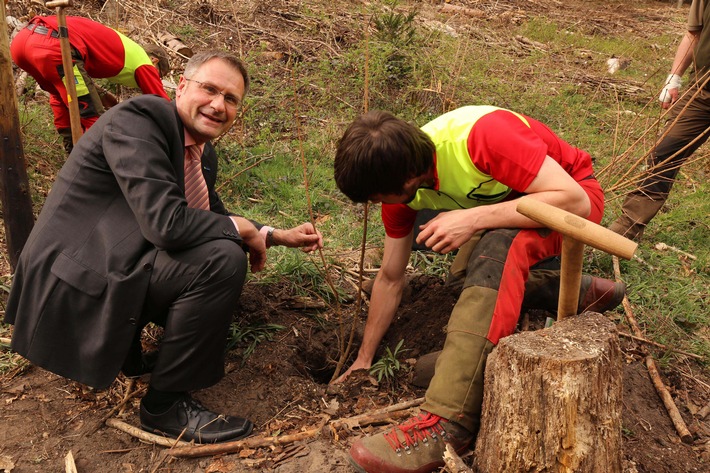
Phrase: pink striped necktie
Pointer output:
(195, 186)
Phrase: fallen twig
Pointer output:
(69, 465)
(189, 450)
(145, 436)
(454, 463)
(116, 408)
(126, 396)
(659, 345)
(663, 246)
(193, 451)
(645, 263)
(367, 418)
(678, 422)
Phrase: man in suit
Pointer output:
(131, 233)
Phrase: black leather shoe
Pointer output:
(189, 420)
(599, 295)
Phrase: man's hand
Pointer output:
(108, 100)
(447, 231)
(304, 236)
(251, 238)
(669, 94)
(357, 365)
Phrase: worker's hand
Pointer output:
(108, 100)
(669, 93)
(304, 236)
(447, 231)
(357, 365)
(254, 241)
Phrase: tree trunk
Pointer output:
(552, 400)
(14, 185)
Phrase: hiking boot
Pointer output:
(416, 446)
(599, 295)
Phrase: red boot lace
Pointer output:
(417, 429)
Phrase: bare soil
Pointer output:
(283, 385)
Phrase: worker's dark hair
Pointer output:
(378, 153)
(161, 55)
(201, 57)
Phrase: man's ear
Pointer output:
(182, 83)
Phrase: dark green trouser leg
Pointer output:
(67, 141)
(686, 131)
(456, 390)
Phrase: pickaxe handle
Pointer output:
(576, 232)
(68, 66)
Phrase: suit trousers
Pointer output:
(193, 294)
(687, 129)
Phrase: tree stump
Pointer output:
(552, 400)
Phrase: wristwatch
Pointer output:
(270, 237)
(268, 233)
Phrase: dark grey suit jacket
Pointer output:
(82, 277)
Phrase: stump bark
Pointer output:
(553, 400)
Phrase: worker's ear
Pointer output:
(155, 62)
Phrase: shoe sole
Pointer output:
(357, 467)
(197, 440)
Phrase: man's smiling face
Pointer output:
(201, 100)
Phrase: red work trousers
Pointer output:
(488, 310)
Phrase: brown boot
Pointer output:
(599, 295)
(638, 209)
(416, 446)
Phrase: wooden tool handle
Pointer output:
(576, 227)
(68, 66)
(58, 3)
(570, 277)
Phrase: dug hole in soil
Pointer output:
(283, 387)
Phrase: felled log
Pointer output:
(553, 400)
(175, 44)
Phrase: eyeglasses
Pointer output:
(211, 91)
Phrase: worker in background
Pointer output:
(686, 128)
(98, 52)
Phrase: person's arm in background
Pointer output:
(683, 58)
(684, 55)
(386, 295)
(148, 79)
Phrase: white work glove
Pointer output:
(673, 81)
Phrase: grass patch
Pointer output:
(421, 63)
